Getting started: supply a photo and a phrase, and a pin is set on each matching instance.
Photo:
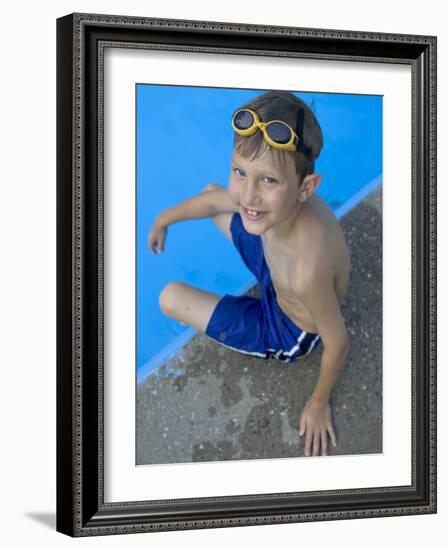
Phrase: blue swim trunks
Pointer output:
(252, 326)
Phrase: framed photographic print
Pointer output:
(246, 274)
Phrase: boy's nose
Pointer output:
(250, 194)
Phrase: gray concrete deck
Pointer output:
(209, 403)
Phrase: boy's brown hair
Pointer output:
(281, 105)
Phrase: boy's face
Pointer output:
(266, 191)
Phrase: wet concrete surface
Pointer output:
(210, 403)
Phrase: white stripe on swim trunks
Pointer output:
(313, 343)
(297, 346)
(277, 354)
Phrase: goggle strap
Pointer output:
(300, 121)
(299, 131)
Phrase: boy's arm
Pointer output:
(203, 205)
(318, 294)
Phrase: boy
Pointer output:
(288, 238)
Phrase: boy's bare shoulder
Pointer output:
(322, 254)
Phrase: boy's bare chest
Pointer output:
(281, 264)
(286, 260)
(285, 263)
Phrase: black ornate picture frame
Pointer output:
(81, 507)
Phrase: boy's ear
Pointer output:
(309, 186)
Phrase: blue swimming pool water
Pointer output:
(184, 141)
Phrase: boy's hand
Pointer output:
(315, 422)
(156, 237)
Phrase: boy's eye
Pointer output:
(239, 172)
(270, 180)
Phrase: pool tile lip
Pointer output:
(358, 197)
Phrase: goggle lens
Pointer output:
(243, 120)
(278, 132)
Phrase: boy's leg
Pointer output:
(221, 220)
(188, 304)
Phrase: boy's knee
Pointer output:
(212, 187)
(169, 297)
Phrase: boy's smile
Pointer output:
(267, 192)
(253, 215)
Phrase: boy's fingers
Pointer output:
(161, 244)
(302, 426)
(308, 442)
(316, 443)
(323, 436)
(155, 246)
(332, 435)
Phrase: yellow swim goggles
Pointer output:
(277, 133)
